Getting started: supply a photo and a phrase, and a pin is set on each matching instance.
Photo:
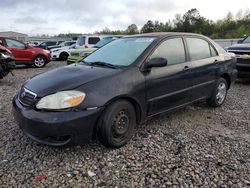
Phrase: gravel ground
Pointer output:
(192, 147)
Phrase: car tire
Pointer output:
(63, 56)
(39, 61)
(219, 93)
(117, 124)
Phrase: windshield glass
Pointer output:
(102, 42)
(80, 41)
(121, 52)
(247, 40)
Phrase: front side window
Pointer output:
(121, 51)
(198, 48)
(172, 50)
(14, 44)
(93, 40)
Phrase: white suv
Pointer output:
(84, 41)
(88, 41)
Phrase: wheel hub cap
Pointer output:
(121, 123)
(39, 62)
(221, 94)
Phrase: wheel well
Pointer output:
(64, 53)
(46, 60)
(135, 104)
(227, 78)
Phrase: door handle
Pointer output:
(186, 68)
(216, 61)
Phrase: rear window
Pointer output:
(198, 48)
(93, 40)
(80, 41)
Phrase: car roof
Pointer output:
(163, 34)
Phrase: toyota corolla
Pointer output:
(121, 85)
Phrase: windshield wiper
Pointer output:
(103, 64)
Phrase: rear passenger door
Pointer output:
(169, 87)
(204, 59)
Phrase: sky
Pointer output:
(87, 16)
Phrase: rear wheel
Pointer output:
(63, 56)
(117, 124)
(39, 61)
(219, 94)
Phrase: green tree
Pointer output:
(132, 29)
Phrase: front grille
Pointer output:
(27, 97)
(240, 52)
(239, 60)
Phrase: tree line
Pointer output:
(231, 26)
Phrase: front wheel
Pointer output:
(63, 56)
(39, 61)
(219, 94)
(117, 124)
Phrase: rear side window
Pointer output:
(14, 44)
(93, 40)
(172, 50)
(198, 48)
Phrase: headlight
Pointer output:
(54, 50)
(84, 54)
(46, 51)
(5, 55)
(61, 100)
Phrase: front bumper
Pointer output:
(243, 70)
(56, 128)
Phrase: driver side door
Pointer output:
(169, 87)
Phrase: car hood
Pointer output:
(240, 47)
(87, 50)
(66, 78)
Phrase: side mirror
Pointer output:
(157, 62)
(240, 41)
(1, 42)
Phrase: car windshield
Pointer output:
(121, 52)
(103, 42)
(247, 40)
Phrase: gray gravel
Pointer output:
(194, 146)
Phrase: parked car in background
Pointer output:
(87, 41)
(46, 44)
(77, 54)
(63, 44)
(7, 61)
(25, 54)
(34, 43)
(242, 52)
(61, 53)
(120, 85)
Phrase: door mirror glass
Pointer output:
(157, 62)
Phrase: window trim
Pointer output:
(202, 38)
(163, 40)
